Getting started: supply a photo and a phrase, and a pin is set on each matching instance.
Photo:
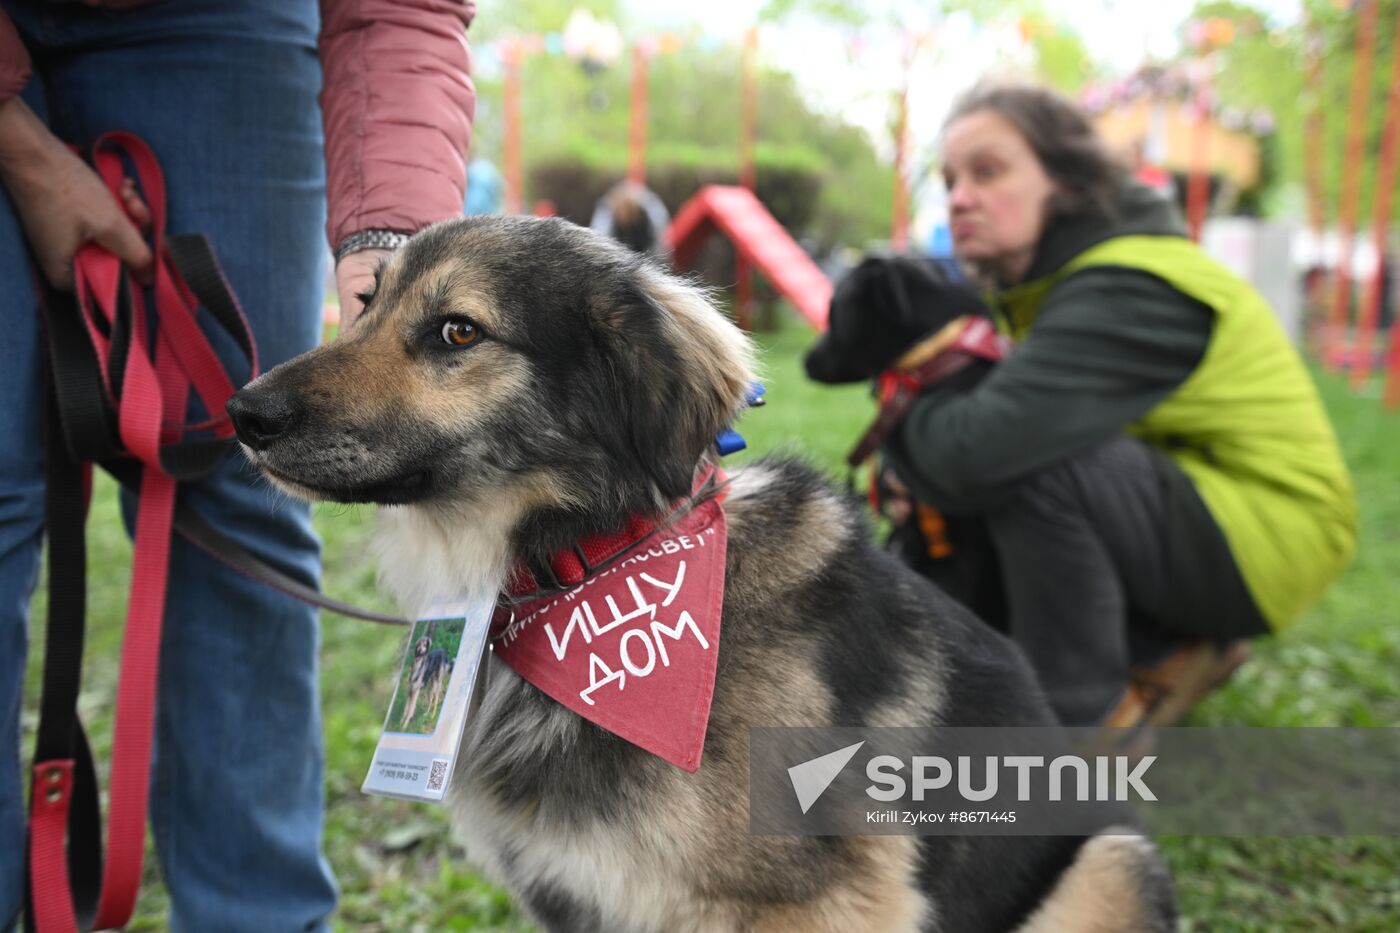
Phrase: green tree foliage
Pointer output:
(1264, 67)
(832, 11)
(695, 99)
(1061, 59)
(523, 16)
(693, 119)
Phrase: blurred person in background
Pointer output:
(485, 187)
(635, 216)
(1154, 465)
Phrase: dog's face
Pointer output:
(505, 358)
(421, 646)
(881, 309)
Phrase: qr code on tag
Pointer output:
(437, 774)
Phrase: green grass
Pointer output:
(400, 870)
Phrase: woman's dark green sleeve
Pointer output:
(1108, 345)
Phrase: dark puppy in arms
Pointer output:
(891, 316)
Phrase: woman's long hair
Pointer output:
(1071, 151)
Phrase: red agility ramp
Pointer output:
(759, 240)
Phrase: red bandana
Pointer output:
(633, 647)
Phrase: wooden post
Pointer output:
(1380, 225)
(899, 213)
(1313, 133)
(1392, 377)
(743, 291)
(1198, 182)
(748, 110)
(748, 172)
(1335, 340)
(1313, 129)
(637, 137)
(512, 53)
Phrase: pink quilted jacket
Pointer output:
(397, 104)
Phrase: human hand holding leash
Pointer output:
(354, 276)
(61, 201)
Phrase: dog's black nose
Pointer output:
(261, 416)
(824, 364)
(818, 365)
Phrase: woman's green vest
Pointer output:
(1247, 426)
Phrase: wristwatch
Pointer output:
(370, 239)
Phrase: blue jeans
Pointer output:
(225, 94)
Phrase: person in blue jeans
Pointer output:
(226, 95)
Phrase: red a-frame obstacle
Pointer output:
(760, 242)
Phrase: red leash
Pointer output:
(146, 375)
(899, 388)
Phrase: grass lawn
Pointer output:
(399, 869)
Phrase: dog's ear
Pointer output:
(866, 325)
(905, 289)
(683, 373)
(934, 297)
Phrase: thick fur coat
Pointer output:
(518, 383)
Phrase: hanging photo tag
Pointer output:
(438, 689)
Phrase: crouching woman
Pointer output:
(1159, 477)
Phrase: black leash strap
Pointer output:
(192, 526)
(60, 734)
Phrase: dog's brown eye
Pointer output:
(459, 332)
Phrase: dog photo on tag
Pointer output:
(436, 693)
(426, 670)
